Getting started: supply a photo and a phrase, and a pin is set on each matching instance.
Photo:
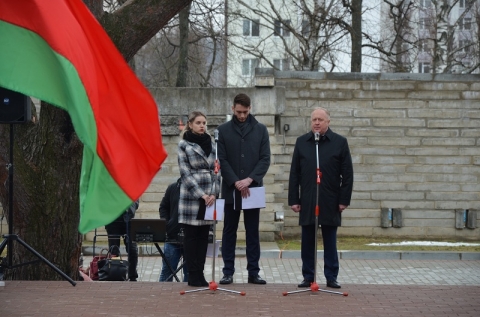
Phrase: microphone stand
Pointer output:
(314, 286)
(213, 286)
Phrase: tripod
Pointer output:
(314, 286)
(213, 285)
(10, 237)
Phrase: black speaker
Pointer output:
(14, 107)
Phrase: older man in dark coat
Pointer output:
(244, 154)
(335, 191)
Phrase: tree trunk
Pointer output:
(46, 162)
(48, 156)
(356, 34)
(137, 21)
(183, 56)
(399, 62)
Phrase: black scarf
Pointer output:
(242, 125)
(204, 140)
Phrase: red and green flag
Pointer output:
(56, 51)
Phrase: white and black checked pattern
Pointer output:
(197, 175)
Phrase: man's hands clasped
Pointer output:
(242, 186)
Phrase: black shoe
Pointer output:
(203, 281)
(133, 280)
(256, 279)
(226, 279)
(333, 284)
(305, 283)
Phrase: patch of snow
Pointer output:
(427, 243)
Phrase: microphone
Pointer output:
(317, 136)
(215, 135)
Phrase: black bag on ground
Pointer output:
(114, 269)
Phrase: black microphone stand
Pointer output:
(213, 286)
(314, 286)
(10, 237)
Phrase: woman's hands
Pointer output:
(209, 199)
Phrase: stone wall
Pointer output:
(174, 105)
(414, 140)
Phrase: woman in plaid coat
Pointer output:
(196, 159)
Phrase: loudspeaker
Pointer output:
(14, 107)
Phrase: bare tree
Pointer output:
(311, 35)
(398, 36)
(474, 49)
(305, 34)
(48, 155)
(355, 29)
(183, 58)
(438, 35)
(192, 41)
(445, 39)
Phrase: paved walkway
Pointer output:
(377, 272)
(376, 284)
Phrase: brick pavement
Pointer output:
(28, 298)
(376, 287)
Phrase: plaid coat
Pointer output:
(198, 177)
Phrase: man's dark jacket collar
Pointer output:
(328, 135)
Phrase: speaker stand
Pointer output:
(10, 237)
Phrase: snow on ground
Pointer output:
(427, 243)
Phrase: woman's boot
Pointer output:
(202, 246)
(194, 278)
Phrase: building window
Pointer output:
(423, 45)
(462, 3)
(305, 28)
(465, 45)
(425, 3)
(248, 66)
(465, 24)
(281, 64)
(424, 67)
(281, 28)
(424, 23)
(251, 27)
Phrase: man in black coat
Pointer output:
(173, 247)
(120, 227)
(244, 154)
(335, 191)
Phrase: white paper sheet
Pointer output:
(255, 200)
(220, 208)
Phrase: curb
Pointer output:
(382, 255)
(271, 253)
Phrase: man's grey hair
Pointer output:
(321, 108)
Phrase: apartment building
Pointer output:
(286, 35)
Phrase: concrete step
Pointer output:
(271, 250)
